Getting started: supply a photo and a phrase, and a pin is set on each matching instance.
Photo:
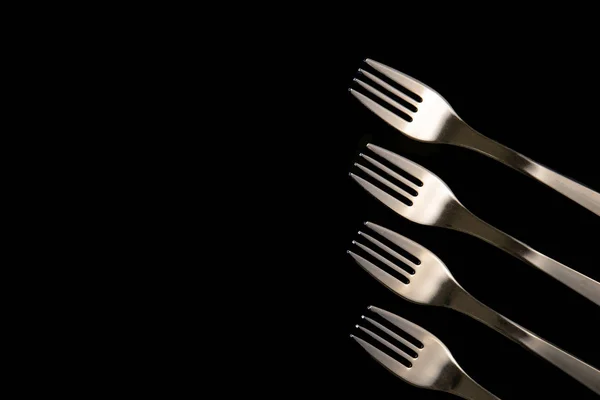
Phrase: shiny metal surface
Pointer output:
(433, 284)
(436, 205)
(433, 368)
(436, 121)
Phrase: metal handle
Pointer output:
(467, 388)
(584, 373)
(586, 197)
(469, 223)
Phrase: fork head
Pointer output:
(433, 204)
(433, 367)
(427, 281)
(426, 117)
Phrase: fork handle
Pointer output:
(582, 372)
(467, 222)
(577, 192)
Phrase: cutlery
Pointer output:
(433, 284)
(432, 119)
(430, 366)
(434, 204)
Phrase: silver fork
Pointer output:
(434, 367)
(433, 284)
(436, 205)
(436, 121)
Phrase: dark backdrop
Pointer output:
(538, 99)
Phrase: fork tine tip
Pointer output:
(368, 308)
(354, 242)
(356, 325)
(366, 223)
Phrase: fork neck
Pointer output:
(459, 133)
(467, 388)
(461, 219)
(463, 302)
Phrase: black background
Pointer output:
(534, 96)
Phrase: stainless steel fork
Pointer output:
(434, 367)
(433, 284)
(435, 121)
(436, 205)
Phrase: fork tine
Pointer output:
(386, 279)
(408, 82)
(380, 257)
(387, 183)
(385, 343)
(390, 172)
(394, 335)
(389, 87)
(396, 367)
(399, 240)
(383, 97)
(382, 112)
(387, 250)
(382, 196)
(412, 168)
(412, 329)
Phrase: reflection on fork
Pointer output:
(434, 204)
(426, 116)
(432, 283)
(428, 365)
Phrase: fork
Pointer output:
(433, 284)
(436, 205)
(435, 121)
(434, 367)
